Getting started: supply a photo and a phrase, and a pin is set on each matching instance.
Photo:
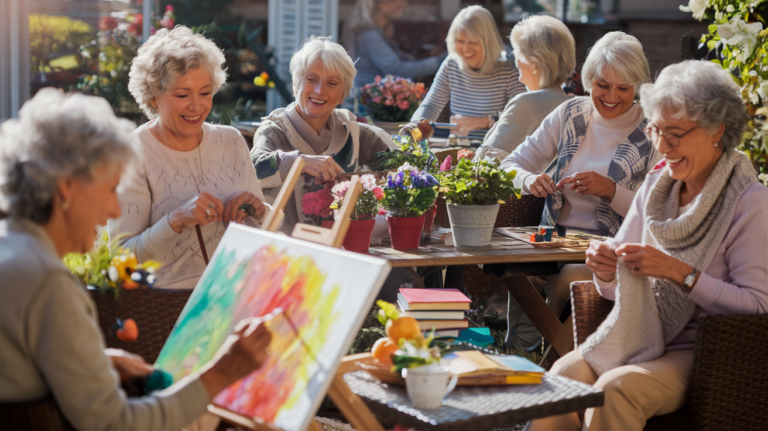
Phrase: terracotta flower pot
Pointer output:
(358, 236)
(405, 232)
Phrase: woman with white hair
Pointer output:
(588, 159)
(366, 38)
(60, 165)
(193, 173)
(694, 242)
(545, 55)
(477, 78)
(330, 140)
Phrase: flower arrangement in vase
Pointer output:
(111, 270)
(362, 219)
(408, 194)
(473, 191)
(392, 98)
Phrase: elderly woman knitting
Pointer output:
(588, 159)
(545, 55)
(193, 173)
(60, 164)
(330, 140)
(694, 241)
(477, 78)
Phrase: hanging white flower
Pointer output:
(739, 33)
(697, 7)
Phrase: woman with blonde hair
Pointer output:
(367, 38)
(476, 79)
(545, 54)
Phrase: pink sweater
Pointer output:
(736, 281)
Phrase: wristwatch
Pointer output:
(690, 279)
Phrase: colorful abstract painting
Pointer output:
(323, 295)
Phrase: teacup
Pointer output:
(428, 385)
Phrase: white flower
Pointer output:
(739, 33)
(753, 98)
(718, 16)
(113, 274)
(763, 178)
(697, 7)
(729, 8)
(368, 182)
(752, 73)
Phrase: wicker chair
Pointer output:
(728, 386)
(154, 310)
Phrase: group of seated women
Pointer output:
(685, 239)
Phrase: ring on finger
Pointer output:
(581, 188)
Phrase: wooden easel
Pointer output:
(351, 406)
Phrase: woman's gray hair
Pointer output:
(57, 136)
(546, 43)
(333, 56)
(167, 55)
(701, 91)
(621, 52)
(476, 22)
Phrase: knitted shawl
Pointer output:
(649, 313)
(630, 163)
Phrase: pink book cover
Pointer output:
(421, 296)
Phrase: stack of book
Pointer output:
(478, 368)
(439, 309)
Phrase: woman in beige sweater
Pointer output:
(60, 164)
(193, 173)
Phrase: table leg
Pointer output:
(559, 335)
(454, 277)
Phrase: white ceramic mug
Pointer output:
(428, 385)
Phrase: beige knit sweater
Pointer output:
(166, 179)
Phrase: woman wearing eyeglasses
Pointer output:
(694, 241)
(588, 159)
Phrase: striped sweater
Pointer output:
(470, 93)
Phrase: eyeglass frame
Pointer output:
(649, 131)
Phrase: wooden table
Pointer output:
(502, 250)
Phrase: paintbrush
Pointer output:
(281, 311)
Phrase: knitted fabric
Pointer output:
(631, 162)
(649, 312)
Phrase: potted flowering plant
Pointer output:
(473, 191)
(362, 219)
(110, 270)
(416, 154)
(392, 100)
(408, 193)
(316, 205)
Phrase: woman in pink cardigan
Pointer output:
(694, 241)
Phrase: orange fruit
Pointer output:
(404, 327)
(383, 350)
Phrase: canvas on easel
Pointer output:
(324, 294)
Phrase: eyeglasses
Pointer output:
(672, 139)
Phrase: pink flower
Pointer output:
(389, 101)
(309, 204)
(446, 164)
(403, 104)
(377, 99)
(169, 8)
(378, 79)
(382, 211)
(378, 193)
(466, 154)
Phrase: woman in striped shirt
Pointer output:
(476, 78)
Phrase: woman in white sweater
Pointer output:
(588, 159)
(193, 173)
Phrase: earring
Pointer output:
(65, 205)
(534, 72)
(716, 144)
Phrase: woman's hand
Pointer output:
(323, 168)
(542, 186)
(243, 352)
(602, 260)
(590, 183)
(232, 210)
(648, 261)
(466, 124)
(128, 365)
(200, 210)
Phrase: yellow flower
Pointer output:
(125, 264)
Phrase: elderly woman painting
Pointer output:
(588, 158)
(477, 78)
(375, 53)
(330, 140)
(694, 241)
(545, 55)
(60, 165)
(193, 173)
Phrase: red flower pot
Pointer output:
(358, 235)
(405, 232)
